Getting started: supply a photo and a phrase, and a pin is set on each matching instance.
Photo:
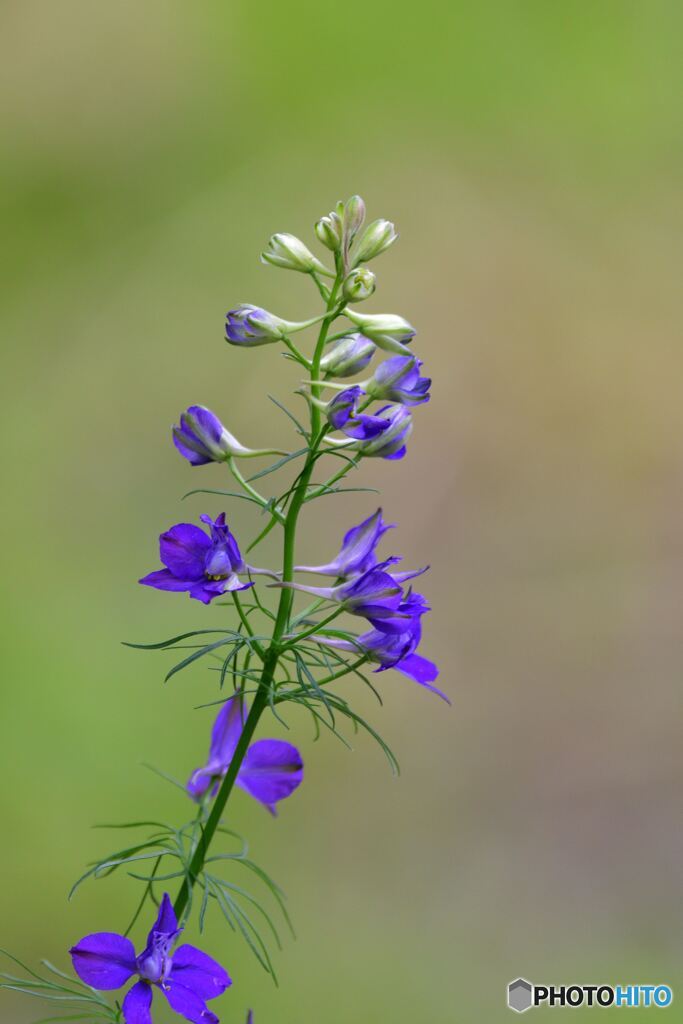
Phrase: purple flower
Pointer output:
(342, 415)
(348, 356)
(396, 650)
(375, 594)
(357, 551)
(391, 444)
(251, 325)
(398, 380)
(186, 976)
(202, 438)
(205, 566)
(270, 771)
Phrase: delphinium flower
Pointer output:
(342, 414)
(205, 566)
(357, 552)
(394, 650)
(186, 976)
(390, 443)
(398, 380)
(271, 769)
(201, 438)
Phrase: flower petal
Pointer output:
(166, 922)
(422, 671)
(183, 549)
(137, 1004)
(187, 1004)
(271, 771)
(104, 960)
(163, 579)
(199, 973)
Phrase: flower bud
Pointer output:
(329, 231)
(359, 285)
(377, 237)
(398, 380)
(354, 215)
(290, 253)
(250, 325)
(202, 438)
(348, 356)
(388, 331)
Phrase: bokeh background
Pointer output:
(531, 155)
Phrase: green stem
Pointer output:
(246, 486)
(311, 630)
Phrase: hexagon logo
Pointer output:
(520, 995)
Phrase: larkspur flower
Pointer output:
(391, 443)
(375, 594)
(348, 356)
(271, 769)
(398, 380)
(395, 650)
(387, 330)
(201, 438)
(186, 976)
(357, 552)
(342, 414)
(204, 566)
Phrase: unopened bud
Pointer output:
(348, 356)
(377, 237)
(354, 215)
(329, 231)
(359, 285)
(290, 253)
(388, 331)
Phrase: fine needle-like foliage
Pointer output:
(292, 634)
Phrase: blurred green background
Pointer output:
(530, 154)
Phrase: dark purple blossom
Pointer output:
(271, 769)
(342, 414)
(204, 566)
(187, 977)
(357, 551)
(398, 380)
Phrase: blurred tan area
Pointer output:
(530, 154)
